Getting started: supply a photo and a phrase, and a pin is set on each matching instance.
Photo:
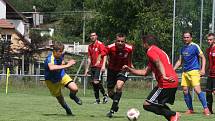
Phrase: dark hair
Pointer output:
(188, 31)
(120, 35)
(57, 45)
(150, 39)
(211, 34)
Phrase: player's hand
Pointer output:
(125, 68)
(71, 62)
(202, 72)
(170, 79)
(97, 63)
(102, 69)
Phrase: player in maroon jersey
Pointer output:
(96, 62)
(167, 80)
(118, 54)
(210, 87)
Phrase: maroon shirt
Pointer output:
(94, 50)
(211, 58)
(116, 58)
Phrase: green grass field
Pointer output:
(34, 103)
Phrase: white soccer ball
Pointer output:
(133, 114)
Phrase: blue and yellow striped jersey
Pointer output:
(56, 75)
(190, 57)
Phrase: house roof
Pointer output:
(6, 24)
(12, 13)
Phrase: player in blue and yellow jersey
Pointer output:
(189, 56)
(56, 78)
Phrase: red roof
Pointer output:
(6, 24)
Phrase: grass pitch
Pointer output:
(36, 104)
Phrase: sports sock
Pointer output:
(116, 100)
(209, 98)
(202, 98)
(72, 95)
(102, 90)
(67, 108)
(96, 90)
(188, 101)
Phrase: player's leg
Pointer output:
(111, 82)
(55, 90)
(156, 102)
(195, 79)
(68, 83)
(121, 79)
(117, 95)
(185, 83)
(64, 104)
(95, 75)
(209, 96)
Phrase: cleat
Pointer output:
(105, 99)
(110, 114)
(69, 112)
(77, 100)
(206, 112)
(97, 101)
(188, 112)
(176, 117)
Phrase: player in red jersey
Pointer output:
(210, 87)
(96, 61)
(118, 54)
(166, 77)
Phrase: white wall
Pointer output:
(19, 26)
(2, 9)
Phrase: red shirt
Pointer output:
(116, 58)
(155, 53)
(211, 58)
(94, 50)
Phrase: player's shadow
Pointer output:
(108, 117)
(54, 114)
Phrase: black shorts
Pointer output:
(210, 86)
(113, 76)
(96, 73)
(161, 96)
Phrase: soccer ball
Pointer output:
(133, 114)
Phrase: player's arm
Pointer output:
(178, 63)
(53, 67)
(202, 71)
(104, 63)
(142, 72)
(160, 67)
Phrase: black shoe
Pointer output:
(105, 99)
(69, 112)
(78, 100)
(110, 114)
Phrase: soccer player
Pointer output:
(210, 87)
(55, 76)
(118, 54)
(166, 77)
(96, 62)
(189, 56)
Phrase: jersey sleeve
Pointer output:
(198, 50)
(102, 50)
(153, 56)
(50, 59)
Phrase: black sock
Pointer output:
(96, 90)
(102, 90)
(160, 110)
(72, 95)
(209, 98)
(116, 99)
